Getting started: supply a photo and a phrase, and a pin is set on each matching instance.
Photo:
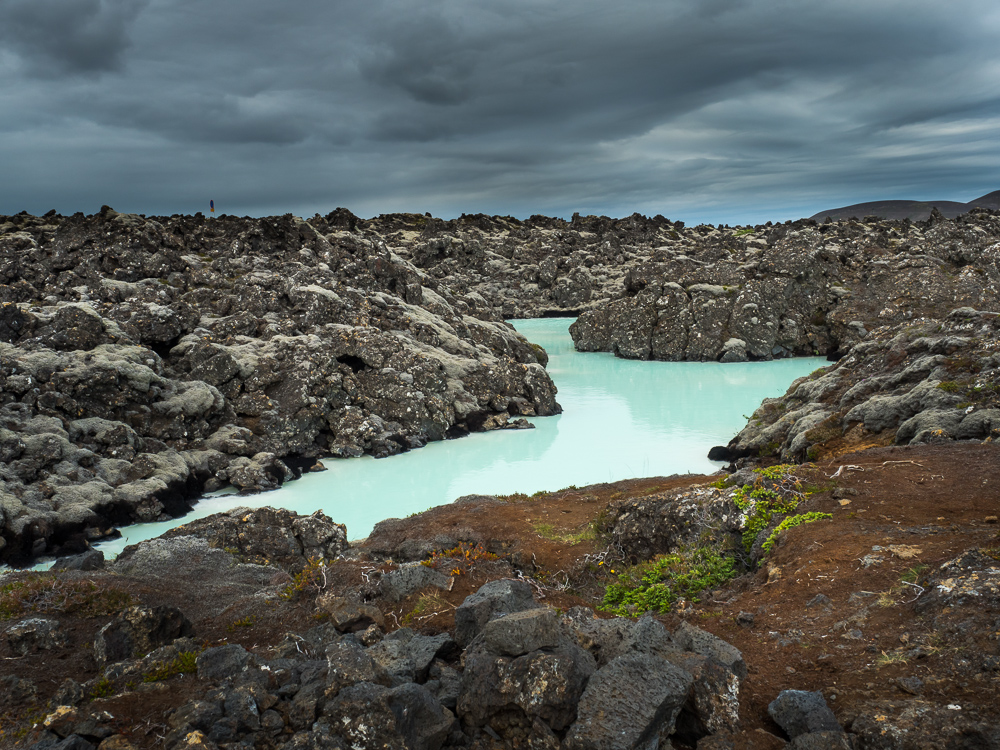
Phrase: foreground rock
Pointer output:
(521, 673)
(142, 360)
(870, 630)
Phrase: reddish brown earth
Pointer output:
(922, 505)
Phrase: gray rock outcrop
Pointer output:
(795, 289)
(142, 360)
(919, 382)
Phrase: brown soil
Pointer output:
(922, 506)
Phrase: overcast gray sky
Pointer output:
(725, 111)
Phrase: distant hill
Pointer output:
(913, 210)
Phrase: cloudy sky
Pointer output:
(725, 111)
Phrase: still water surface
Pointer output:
(621, 419)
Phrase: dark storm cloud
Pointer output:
(721, 110)
(68, 37)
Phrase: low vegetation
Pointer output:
(47, 593)
(459, 559)
(184, 663)
(310, 580)
(655, 586)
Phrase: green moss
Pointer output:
(772, 448)
(790, 523)
(246, 622)
(775, 491)
(103, 688)
(657, 585)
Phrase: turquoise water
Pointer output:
(621, 419)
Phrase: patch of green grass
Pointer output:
(814, 489)
(888, 658)
(656, 585)
(427, 606)
(949, 386)
(742, 232)
(517, 497)
(914, 574)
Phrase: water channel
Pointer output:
(621, 419)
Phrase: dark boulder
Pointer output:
(629, 704)
(139, 630)
(494, 599)
(544, 685)
(800, 712)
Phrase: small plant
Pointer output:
(914, 574)
(311, 579)
(657, 585)
(517, 497)
(888, 658)
(790, 523)
(103, 688)
(949, 386)
(886, 598)
(184, 663)
(245, 622)
(465, 554)
(774, 491)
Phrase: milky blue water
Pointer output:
(621, 419)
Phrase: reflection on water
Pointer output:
(621, 419)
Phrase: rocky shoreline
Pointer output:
(146, 360)
(143, 361)
(926, 381)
